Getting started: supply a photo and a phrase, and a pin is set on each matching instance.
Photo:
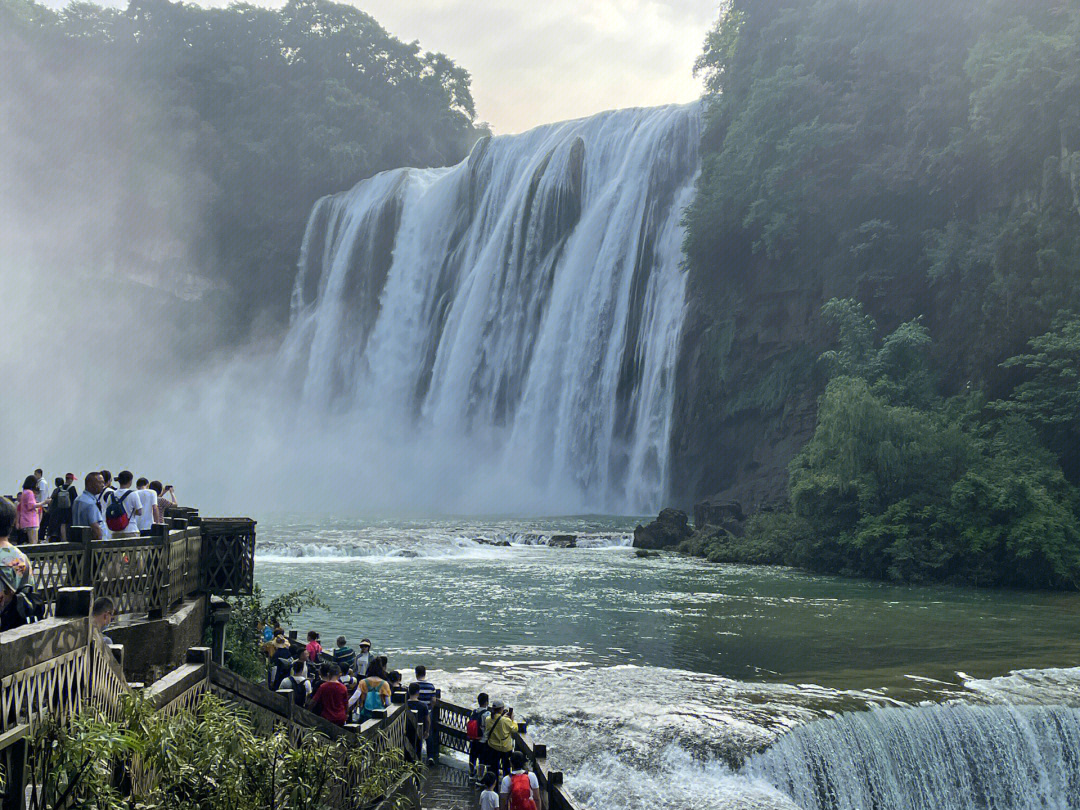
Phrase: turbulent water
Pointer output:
(672, 684)
(515, 320)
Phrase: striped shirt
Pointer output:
(427, 692)
(344, 657)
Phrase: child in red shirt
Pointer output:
(331, 699)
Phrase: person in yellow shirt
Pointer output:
(501, 728)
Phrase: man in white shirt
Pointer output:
(104, 496)
(147, 503)
(42, 491)
(130, 501)
(517, 773)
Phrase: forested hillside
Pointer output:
(910, 169)
(185, 146)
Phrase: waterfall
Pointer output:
(515, 318)
(949, 757)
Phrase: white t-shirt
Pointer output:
(533, 783)
(147, 499)
(131, 503)
(103, 501)
(489, 800)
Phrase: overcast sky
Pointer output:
(537, 61)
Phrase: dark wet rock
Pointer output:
(669, 529)
(724, 514)
(563, 541)
(645, 554)
(486, 542)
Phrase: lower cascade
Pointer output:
(517, 316)
(949, 757)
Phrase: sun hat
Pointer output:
(280, 642)
(364, 643)
(498, 704)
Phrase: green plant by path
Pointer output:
(243, 633)
(206, 759)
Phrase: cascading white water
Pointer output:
(950, 757)
(514, 319)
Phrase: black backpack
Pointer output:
(63, 498)
(30, 604)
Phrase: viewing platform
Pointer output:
(168, 585)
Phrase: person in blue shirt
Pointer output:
(86, 511)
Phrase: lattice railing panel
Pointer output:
(450, 720)
(56, 565)
(228, 556)
(57, 686)
(131, 575)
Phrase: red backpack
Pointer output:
(116, 517)
(521, 792)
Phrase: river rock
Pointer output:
(669, 529)
(499, 543)
(563, 541)
(725, 514)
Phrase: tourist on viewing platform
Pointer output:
(281, 663)
(314, 648)
(394, 679)
(64, 497)
(299, 683)
(103, 498)
(429, 695)
(42, 491)
(123, 510)
(86, 510)
(331, 699)
(160, 505)
(520, 787)
(28, 511)
(57, 516)
(423, 717)
(147, 504)
(343, 655)
(476, 731)
(363, 660)
(170, 495)
(373, 693)
(489, 799)
(15, 571)
(102, 614)
(501, 729)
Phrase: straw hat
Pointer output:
(281, 642)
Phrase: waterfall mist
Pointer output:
(498, 336)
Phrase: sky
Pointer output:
(537, 61)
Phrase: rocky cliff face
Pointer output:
(746, 387)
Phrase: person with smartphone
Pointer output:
(501, 728)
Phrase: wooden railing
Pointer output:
(152, 573)
(51, 668)
(452, 720)
(58, 666)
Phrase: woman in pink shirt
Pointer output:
(313, 647)
(28, 511)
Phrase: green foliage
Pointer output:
(243, 633)
(207, 759)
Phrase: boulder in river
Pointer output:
(486, 542)
(563, 541)
(669, 529)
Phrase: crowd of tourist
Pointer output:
(346, 685)
(108, 508)
(341, 685)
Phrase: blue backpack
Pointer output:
(372, 701)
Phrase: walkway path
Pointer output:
(448, 787)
